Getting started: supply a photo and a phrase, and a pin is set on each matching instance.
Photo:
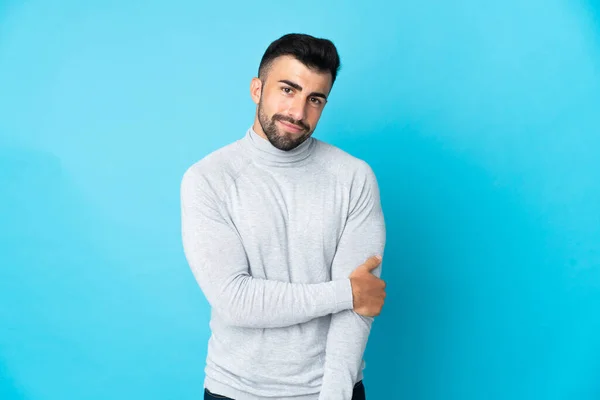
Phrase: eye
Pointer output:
(315, 100)
(286, 90)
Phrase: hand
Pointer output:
(368, 291)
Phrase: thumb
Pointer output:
(372, 263)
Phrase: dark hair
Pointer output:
(315, 53)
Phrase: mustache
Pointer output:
(291, 121)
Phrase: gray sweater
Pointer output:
(271, 237)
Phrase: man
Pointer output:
(282, 231)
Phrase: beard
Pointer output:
(280, 139)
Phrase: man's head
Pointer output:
(295, 77)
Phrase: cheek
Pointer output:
(279, 106)
(313, 116)
(272, 103)
(266, 107)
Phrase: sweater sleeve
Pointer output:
(217, 258)
(364, 236)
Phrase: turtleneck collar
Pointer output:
(264, 152)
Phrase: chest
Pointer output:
(289, 223)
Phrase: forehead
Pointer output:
(287, 67)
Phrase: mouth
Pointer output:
(291, 127)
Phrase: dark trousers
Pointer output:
(357, 394)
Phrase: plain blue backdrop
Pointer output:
(480, 119)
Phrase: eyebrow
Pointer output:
(299, 88)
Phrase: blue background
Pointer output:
(481, 121)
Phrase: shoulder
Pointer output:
(348, 168)
(214, 172)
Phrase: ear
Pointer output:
(255, 89)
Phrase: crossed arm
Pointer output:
(364, 236)
(217, 258)
(218, 261)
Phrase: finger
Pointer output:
(372, 263)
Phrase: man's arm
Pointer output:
(218, 260)
(364, 236)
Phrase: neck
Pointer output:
(264, 152)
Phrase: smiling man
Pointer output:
(291, 121)
(282, 232)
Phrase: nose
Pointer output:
(296, 110)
